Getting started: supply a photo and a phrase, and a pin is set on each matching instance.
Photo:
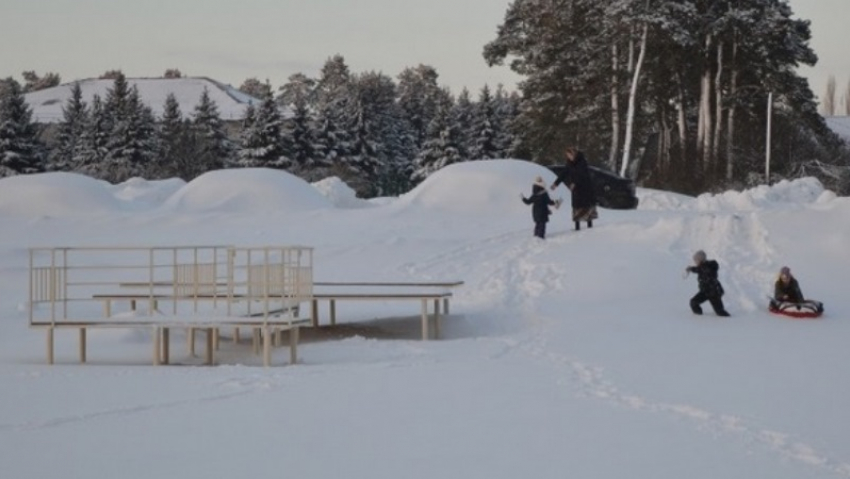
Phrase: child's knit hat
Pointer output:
(539, 182)
(699, 256)
(785, 271)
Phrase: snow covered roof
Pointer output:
(47, 104)
(840, 125)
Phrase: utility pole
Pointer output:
(767, 146)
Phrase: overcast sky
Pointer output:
(272, 39)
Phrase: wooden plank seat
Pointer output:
(423, 292)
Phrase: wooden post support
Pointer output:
(255, 342)
(333, 312)
(209, 356)
(446, 306)
(293, 345)
(166, 339)
(314, 313)
(267, 346)
(216, 339)
(107, 308)
(50, 345)
(425, 320)
(436, 319)
(191, 342)
(235, 335)
(82, 345)
(157, 337)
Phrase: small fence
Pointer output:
(203, 287)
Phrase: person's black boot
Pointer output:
(695, 307)
(578, 226)
(590, 223)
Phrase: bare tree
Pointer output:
(829, 98)
(172, 73)
(630, 114)
(847, 99)
(111, 74)
(33, 82)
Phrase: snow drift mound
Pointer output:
(246, 191)
(480, 186)
(339, 193)
(142, 193)
(784, 194)
(56, 194)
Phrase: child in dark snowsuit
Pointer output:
(540, 210)
(787, 288)
(710, 288)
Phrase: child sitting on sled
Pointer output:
(540, 210)
(788, 298)
(787, 289)
(710, 288)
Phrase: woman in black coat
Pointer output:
(576, 176)
(540, 210)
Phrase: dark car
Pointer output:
(612, 190)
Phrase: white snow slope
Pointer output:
(573, 357)
(47, 104)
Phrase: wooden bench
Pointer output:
(386, 291)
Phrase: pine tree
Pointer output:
(418, 96)
(261, 143)
(463, 115)
(441, 147)
(334, 98)
(299, 130)
(70, 136)
(214, 149)
(172, 133)
(20, 150)
(90, 157)
(483, 133)
(505, 108)
(132, 147)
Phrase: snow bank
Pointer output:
(782, 194)
(246, 191)
(481, 187)
(340, 194)
(139, 193)
(56, 194)
(795, 193)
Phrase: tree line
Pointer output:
(380, 135)
(677, 94)
(682, 85)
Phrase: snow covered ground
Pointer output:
(575, 357)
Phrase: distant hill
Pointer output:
(47, 104)
(840, 125)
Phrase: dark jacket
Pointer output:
(706, 272)
(541, 201)
(788, 292)
(576, 175)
